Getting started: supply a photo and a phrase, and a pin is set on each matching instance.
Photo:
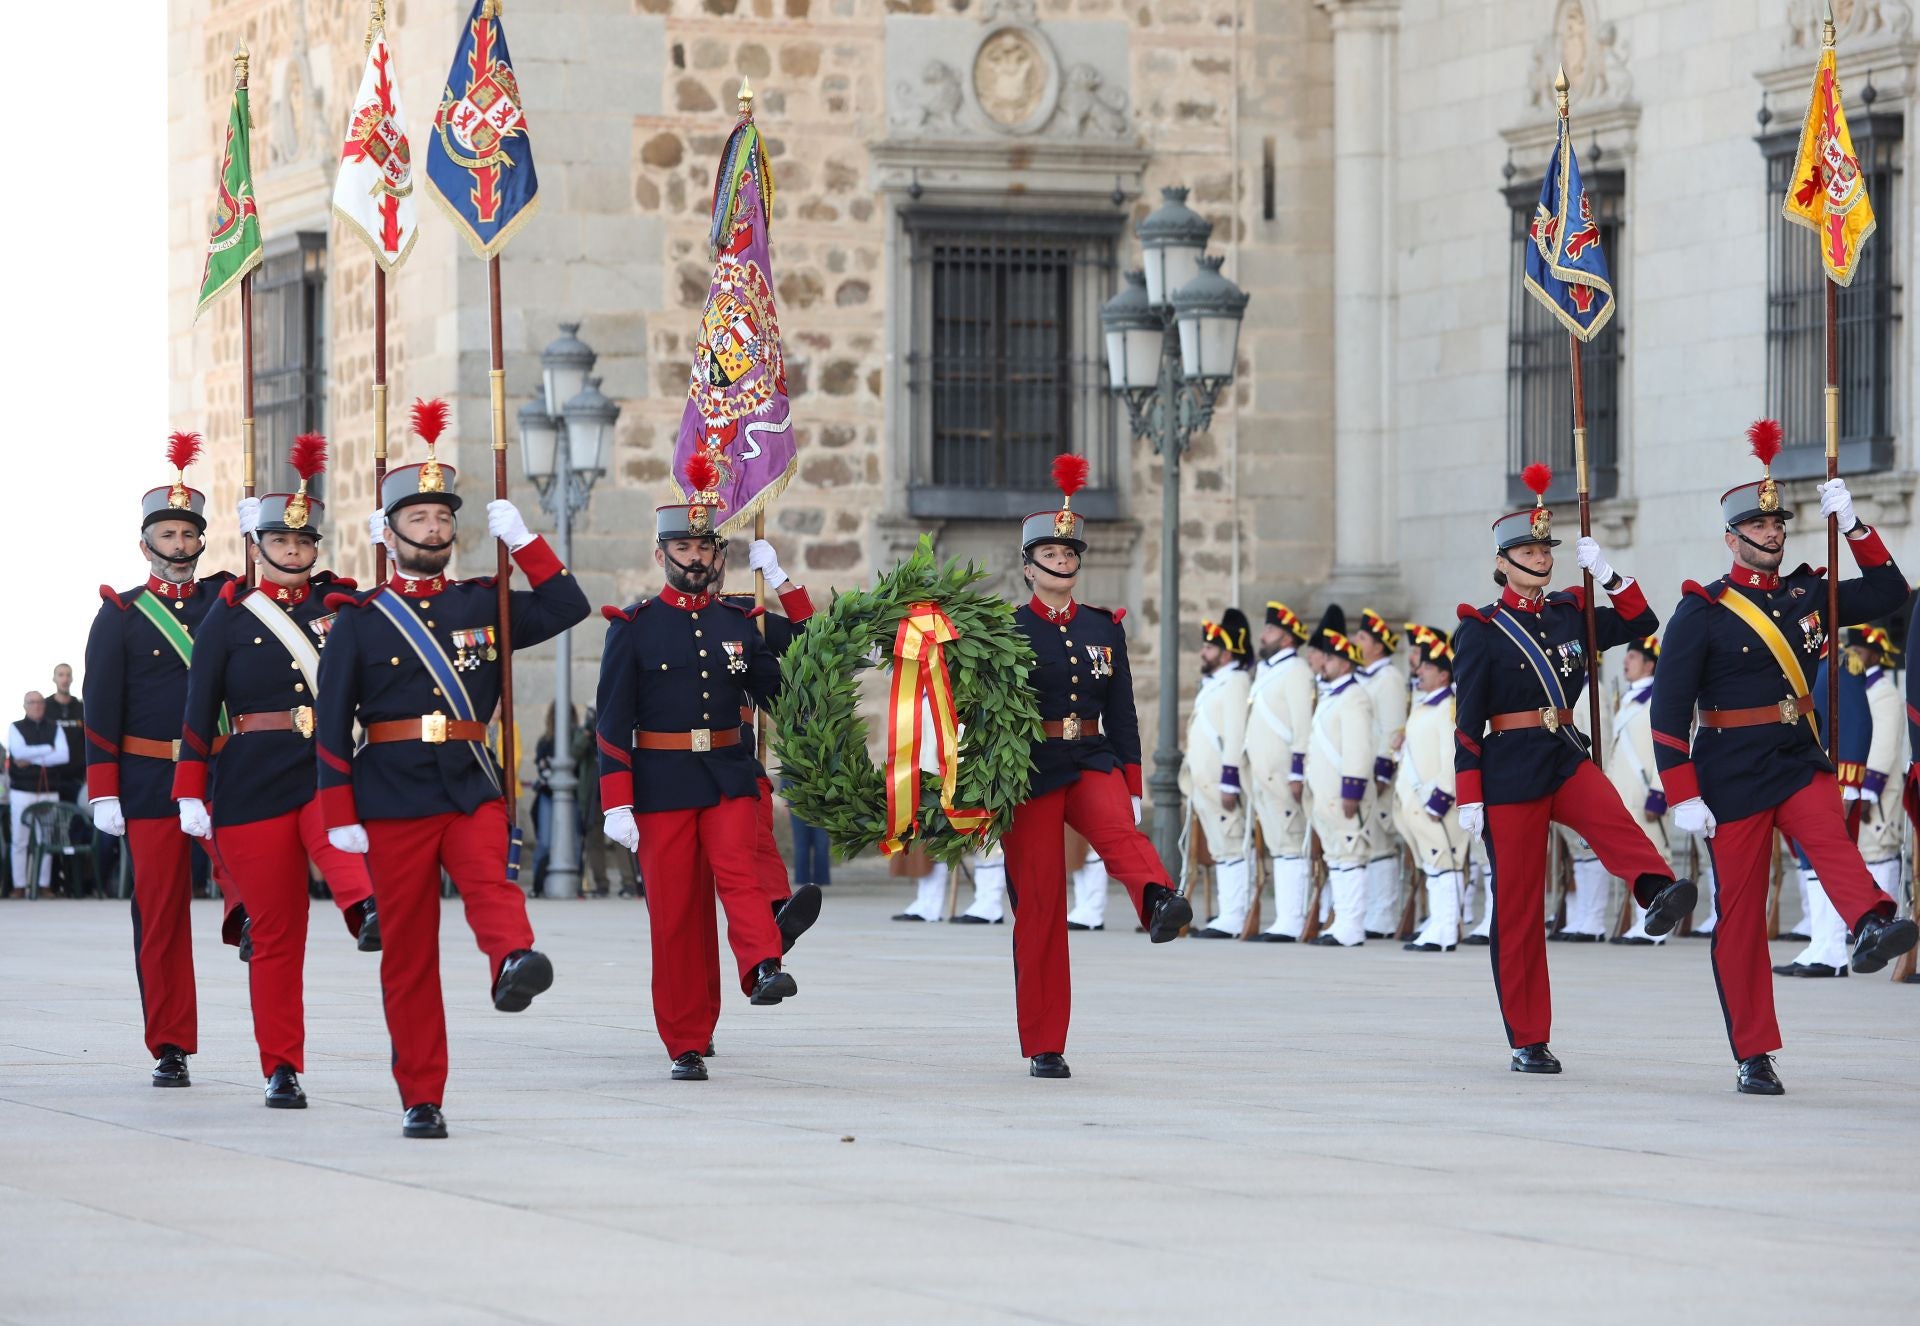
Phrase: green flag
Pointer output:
(233, 247)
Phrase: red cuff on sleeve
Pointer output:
(103, 780)
(1132, 772)
(795, 602)
(1681, 782)
(337, 809)
(616, 790)
(1466, 787)
(538, 562)
(190, 780)
(1869, 551)
(1629, 601)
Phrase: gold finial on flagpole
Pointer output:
(746, 97)
(376, 22)
(1560, 89)
(1826, 26)
(240, 61)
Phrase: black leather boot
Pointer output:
(524, 974)
(171, 1069)
(283, 1090)
(368, 940)
(771, 985)
(1049, 1065)
(1757, 1077)
(424, 1120)
(1535, 1058)
(1167, 913)
(689, 1068)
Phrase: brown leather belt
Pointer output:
(434, 729)
(161, 750)
(700, 739)
(1072, 728)
(1783, 712)
(297, 719)
(1550, 719)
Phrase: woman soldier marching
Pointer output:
(1521, 765)
(1086, 773)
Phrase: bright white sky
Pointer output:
(85, 341)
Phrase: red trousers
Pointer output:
(1100, 810)
(268, 860)
(162, 936)
(1517, 836)
(405, 858)
(685, 857)
(1742, 852)
(773, 878)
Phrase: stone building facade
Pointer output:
(957, 185)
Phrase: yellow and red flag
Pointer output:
(1828, 193)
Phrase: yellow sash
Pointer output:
(1789, 662)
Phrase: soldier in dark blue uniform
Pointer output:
(245, 781)
(678, 783)
(417, 664)
(1086, 774)
(1739, 651)
(137, 657)
(1520, 764)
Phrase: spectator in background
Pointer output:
(812, 854)
(595, 845)
(36, 750)
(64, 708)
(543, 798)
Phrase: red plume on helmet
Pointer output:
(703, 476)
(1764, 436)
(1538, 478)
(308, 455)
(1070, 473)
(429, 419)
(182, 449)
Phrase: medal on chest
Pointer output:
(1813, 636)
(320, 626)
(1569, 658)
(474, 646)
(736, 651)
(1100, 658)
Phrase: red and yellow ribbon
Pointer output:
(920, 676)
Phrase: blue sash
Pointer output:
(1536, 657)
(435, 660)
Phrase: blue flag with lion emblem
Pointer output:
(479, 158)
(1566, 269)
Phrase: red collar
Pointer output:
(400, 584)
(1513, 600)
(1766, 580)
(673, 598)
(284, 596)
(166, 589)
(1047, 614)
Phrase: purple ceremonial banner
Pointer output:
(737, 409)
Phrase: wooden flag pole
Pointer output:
(240, 59)
(379, 408)
(497, 390)
(1580, 477)
(1833, 523)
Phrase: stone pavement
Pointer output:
(1252, 1133)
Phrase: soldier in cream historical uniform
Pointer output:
(1631, 768)
(1210, 773)
(1279, 725)
(1340, 785)
(1882, 821)
(1387, 687)
(1423, 796)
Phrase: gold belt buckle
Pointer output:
(1789, 711)
(700, 739)
(433, 729)
(175, 757)
(302, 716)
(1070, 727)
(1550, 718)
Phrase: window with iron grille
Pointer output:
(289, 355)
(1539, 361)
(1869, 314)
(1005, 368)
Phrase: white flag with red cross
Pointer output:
(373, 193)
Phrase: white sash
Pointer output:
(1263, 707)
(288, 633)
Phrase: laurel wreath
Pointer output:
(822, 738)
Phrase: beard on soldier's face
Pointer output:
(691, 577)
(422, 561)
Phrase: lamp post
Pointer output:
(564, 451)
(1173, 337)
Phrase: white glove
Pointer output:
(377, 528)
(1587, 553)
(1836, 501)
(350, 838)
(506, 524)
(762, 558)
(107, 817)
(621, 828)
(1852, 794)
(249, 512)
(1136, 809)
(194, 820)
(1473, 817)
(1692, 816)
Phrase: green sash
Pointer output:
(174, 631)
